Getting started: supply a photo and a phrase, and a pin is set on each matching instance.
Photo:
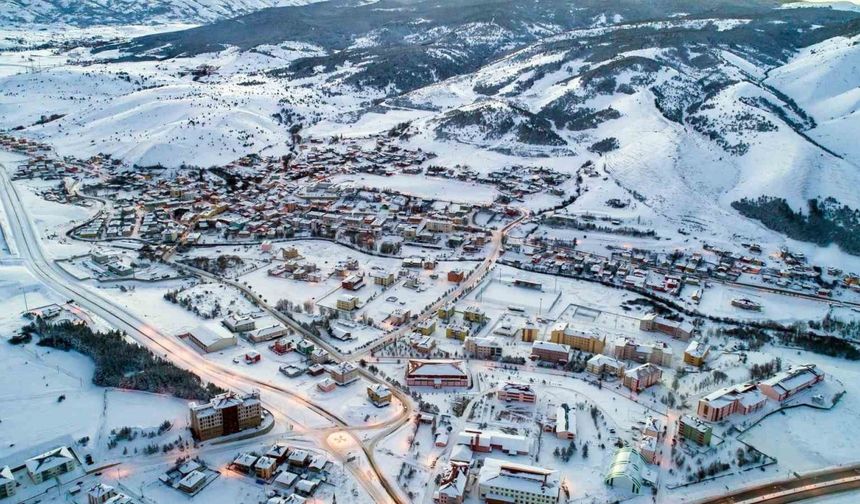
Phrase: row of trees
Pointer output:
(122, 364)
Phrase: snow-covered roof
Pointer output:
(518, 477)
(565, 420)
(435, 368)
(627, 463)
(49, 460)
(6, 475)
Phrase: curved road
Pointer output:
(31, 252)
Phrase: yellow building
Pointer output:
(457, 331)
(347, 302)
(446, 312)
(427, 327)
(529, 332)
(474, 314)
(696, 353)
(563, 334)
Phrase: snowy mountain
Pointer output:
(99, 12)
(685, 107)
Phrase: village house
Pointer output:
(452, 485)
(379, 395)
(343, 373)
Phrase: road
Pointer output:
(805, 487)
(278, 400)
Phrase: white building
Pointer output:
(501, 481)
(51, 464)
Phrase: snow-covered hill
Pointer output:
(682, 112)
(99, 12)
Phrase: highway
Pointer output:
(807, 486)
(278, 400)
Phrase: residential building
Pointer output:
(506, 482)
(426, 327)
(474, 314)
(626, 470)
(457, 330)
(268, 333)
(742, 399)
(482, 348)
(51, 464)
(696, 353)
(456, 275)
(239, 323)
(379, 394)
(788, 383)
(452, 485)
(550, 352)
(651, 322)
(436, 373)
(383, 278)
(347, 302)
(265, 467)
(226, 414)
(694, 429)
(565, 422)
(8, 486)
(326, 384)
(658, 354)
(445, 312)
(603, 364)
(591, 343)
(343, 373)
(100, 493)
(192, 482)
(517, 392)
(529, 332)
(642, 377)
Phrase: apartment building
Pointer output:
(517, 392)
(692, 428)
(642, 377)
(562, 333)
(225, 414)
(482, 348)
(550, 352)
(51, 464)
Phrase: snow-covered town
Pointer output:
(329, 260)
